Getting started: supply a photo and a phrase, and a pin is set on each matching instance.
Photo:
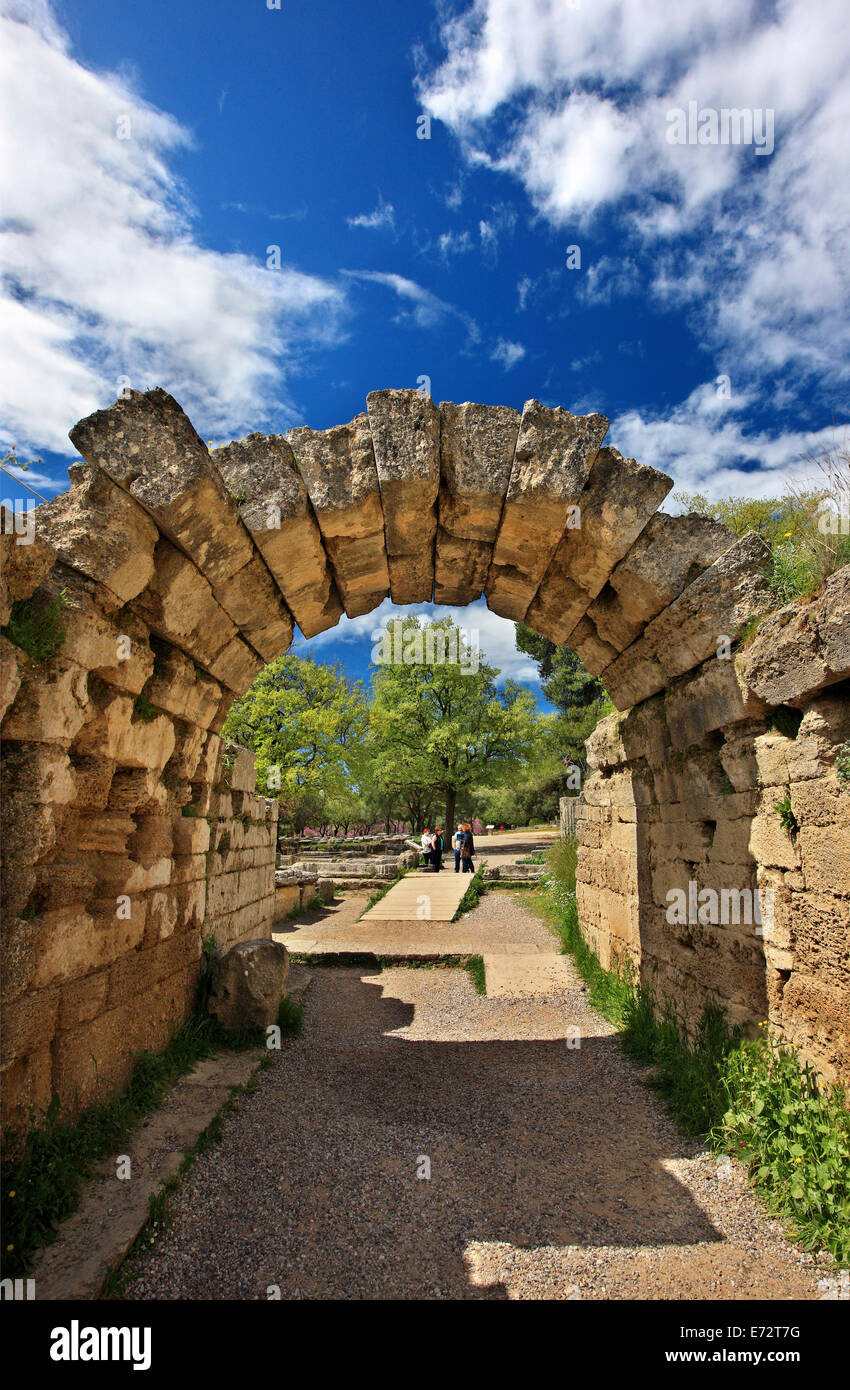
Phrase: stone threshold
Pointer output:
(95, 1239)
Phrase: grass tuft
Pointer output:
(474, 965)
(754, 1100)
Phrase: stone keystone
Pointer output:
(406, 438)
(261, 474)
(477, 445)
(717, 604)
(147, 444)
(338, 468)
(554, 455)
(618, 501)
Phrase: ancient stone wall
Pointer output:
(682, 795)
(175, 572)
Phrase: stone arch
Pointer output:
(183, 569)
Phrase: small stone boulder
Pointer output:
(250, 984)
(325, 889)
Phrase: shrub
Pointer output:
(35, 625)
(562, 860)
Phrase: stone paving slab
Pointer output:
(400, 939)
(112, 1211)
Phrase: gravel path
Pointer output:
(554, 1173)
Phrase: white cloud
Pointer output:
(427, 311)
(754, 246)
(507, 353)
(454, 244)
(383, 216)
(704, 446)
(104, 278)
(496, 636)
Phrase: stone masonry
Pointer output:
(684, 788)
(128, 832)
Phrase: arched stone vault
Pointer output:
(184, 570)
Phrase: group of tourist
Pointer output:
(433, 847)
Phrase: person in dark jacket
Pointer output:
(437, 851)
(467, 850)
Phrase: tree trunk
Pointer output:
(451, 798)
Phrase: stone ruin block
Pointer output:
(338, 468)
(146, 443)
(555, 452)
(405, 429)
(477, 445)
(617, 502)
(275, 507)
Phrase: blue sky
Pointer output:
(154, 153)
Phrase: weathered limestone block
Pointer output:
(115, 650)
(596, 654)
(709, 698)
(147, 444)
(180, 606)
(821, 801)
(825, 851)
(618, 500)
(191, 835)
(770, 843)
(99, 529)
(260, 473)
(11, 661)
(183, 762)
(28, 1024)
(802, 647)
(35, 774)
(119, 874)
(250, 985)
(66, 944)
(146, 743)
(152, 840)
(136, 789)
(667, 556)
(405, 429)
(96, 1059)
(179, 688)
(81, 1000)
(93, 778)
(104, 832)
(51, 704)
(715, 605)
(552, 461)
(824, 726)
(338, 468)
(477, 444)
(22, 567)
(252, 599)
(243, 772)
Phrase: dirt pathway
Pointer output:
(554, 1173)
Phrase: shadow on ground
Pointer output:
(314, 1187)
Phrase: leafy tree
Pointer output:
(580, 701)
(306, 724)
(436, 726)
(565, 681)
(777, 519)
